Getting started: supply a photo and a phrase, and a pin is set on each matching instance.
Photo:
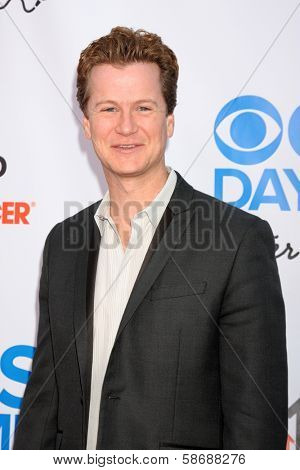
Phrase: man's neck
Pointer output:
(129, 195)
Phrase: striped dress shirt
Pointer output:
(116, 274)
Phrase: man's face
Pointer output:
(126, 118)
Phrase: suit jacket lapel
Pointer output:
(168, 234)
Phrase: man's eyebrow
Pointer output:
(146, 100)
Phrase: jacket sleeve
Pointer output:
(37, 423)
(252, 347)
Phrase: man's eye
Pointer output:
(109, 110)
(144, 108)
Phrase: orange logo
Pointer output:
(15, 212)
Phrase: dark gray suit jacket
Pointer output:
(199, 360)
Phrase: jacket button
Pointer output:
(113, 397)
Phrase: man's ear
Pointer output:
(170, 124)
(86, 127)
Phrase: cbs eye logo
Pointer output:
(294, 130)
(248, 130)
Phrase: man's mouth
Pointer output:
(127, 146)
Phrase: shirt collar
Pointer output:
(154, 210)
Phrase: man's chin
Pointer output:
(128, 169)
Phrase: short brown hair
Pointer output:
(123, 46)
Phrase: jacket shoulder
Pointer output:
(65, 228)
(218, 211)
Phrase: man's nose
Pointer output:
(126, 124)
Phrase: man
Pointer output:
(162, 323)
